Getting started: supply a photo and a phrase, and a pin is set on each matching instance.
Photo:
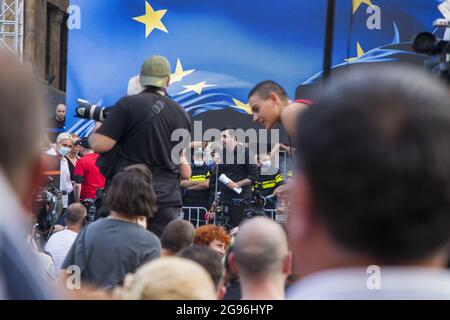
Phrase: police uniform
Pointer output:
(198, 198)
(267, 184)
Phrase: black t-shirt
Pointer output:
(55, 127)
(71, 169)
(233, 168)
(198, 196)
(143, 125)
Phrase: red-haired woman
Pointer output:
(214, 237)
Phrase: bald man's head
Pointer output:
(261, 248)
(60, 112)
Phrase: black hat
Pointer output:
(84, 142)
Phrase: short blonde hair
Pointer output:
(170, 278)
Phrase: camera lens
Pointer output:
(425, 42)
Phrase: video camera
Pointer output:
(94, 206)
(427, 43)
(220, 216)
(255, 207)
(47, 207)
(89, 111)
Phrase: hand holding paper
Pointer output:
(225, 180)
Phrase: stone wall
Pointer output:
(36, 42)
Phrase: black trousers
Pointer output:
(162, 218)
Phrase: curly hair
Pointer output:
(204, 235)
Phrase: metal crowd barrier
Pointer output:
(196, 215)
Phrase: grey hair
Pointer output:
(64, 136)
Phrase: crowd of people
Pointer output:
(371, 191)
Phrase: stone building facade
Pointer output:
(45, 45)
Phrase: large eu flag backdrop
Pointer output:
(219, 49)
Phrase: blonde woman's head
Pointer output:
(170, 278)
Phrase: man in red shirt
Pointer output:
(88, 178)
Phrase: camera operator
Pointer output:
(138, 129)
(243, 175)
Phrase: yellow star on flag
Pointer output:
(152, 19)
(357, 3)
(197, 88)
(242, 106)
(359, 50)
(179, 73)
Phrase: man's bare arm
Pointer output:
(289, 117)
(99, 142)
(244, 183)
(187, 183)
(77, 192)
(185, 167)
(203, 185)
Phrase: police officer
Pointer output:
(196, 188)
(269, 179)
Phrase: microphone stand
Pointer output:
(216, 191)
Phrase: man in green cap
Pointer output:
(138, 130)
(155, 72)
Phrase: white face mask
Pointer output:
(198, 163)
(64, 151)
(266, 164)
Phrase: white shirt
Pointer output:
(396, 283)
(65, 183)
(46, 266)
(59, 245)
